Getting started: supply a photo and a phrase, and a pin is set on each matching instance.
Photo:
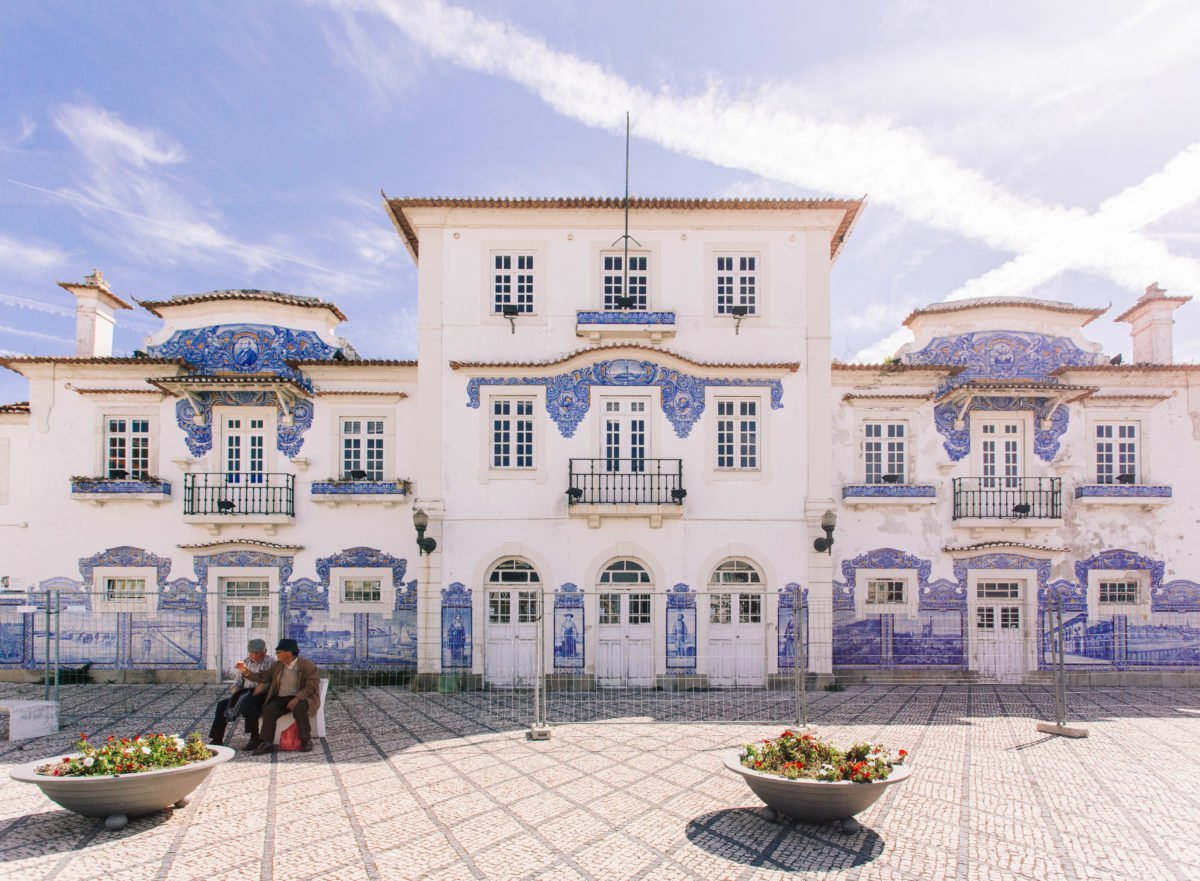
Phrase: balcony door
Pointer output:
(1001, 454)
(244, 449)
(624, 441)
(245, 615)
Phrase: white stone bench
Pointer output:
(30, 718)
(318, 720)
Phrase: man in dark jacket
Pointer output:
(295, 687)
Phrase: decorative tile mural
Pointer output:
(456, 627)
(1002, 355)
(245, 349)
(568, 629)
(568, 395)
(793, 625)
(1046, 441)
(196, 419)
(623, 316)
(681, 630)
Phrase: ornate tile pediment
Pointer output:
(194, 416)
(568, 395)
(245, 349)
(1046, 440)
(1002, 355)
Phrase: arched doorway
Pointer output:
(514, 612)
(737, 654)
(624, 628)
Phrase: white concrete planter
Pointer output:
(122, 796)
(814, 801)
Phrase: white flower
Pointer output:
(88, 762)
(146, 750)
(127, 750)
(179, 742)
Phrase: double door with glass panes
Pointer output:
(244, 450)
(624, 639)
(736, 640)
(1000, 453)
(245, 615)
(999, 630)
(510, 641)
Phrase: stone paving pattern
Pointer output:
(435, 787)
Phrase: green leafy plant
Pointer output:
(122, 755)
(797, 756)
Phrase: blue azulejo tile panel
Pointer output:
(623, 316)
(1003, 355)
(392, 639)
(357, 488)
(83, 638)
(245, 349)
(194, 416)
(568, 395)
(932, 639)
(1121, 491)
(327, 640)
(568, 629)
(681, 630)
(110, 486)
(12, 635)
(168, 639)
(856, 643)
(456, 627)
(889, 491)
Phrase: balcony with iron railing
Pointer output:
(625, 487)
(215, 499)
(1005, 501)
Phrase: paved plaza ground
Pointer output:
(414, 786)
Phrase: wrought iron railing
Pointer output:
(1020, 498)
(626, 482)
(237, 494)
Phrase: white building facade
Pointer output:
(622, 451)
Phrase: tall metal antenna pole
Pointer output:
(625, 260)
(626, 237)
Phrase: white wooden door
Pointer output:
(245, 615)
(624, 443)
(624, 651)
(510, 639)
(999, 629)
(736, 640)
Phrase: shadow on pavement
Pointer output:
(742, 836)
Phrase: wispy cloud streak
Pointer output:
(894, 165)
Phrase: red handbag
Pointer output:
(289, 740)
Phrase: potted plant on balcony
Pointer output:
(124, 777)
(813, 781)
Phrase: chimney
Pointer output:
(95, 315)
(1150, 320)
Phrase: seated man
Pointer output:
(295, 687)
(245, 697)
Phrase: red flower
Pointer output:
(903, 753)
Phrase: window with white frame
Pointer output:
(512, 433)
(737, 435)
(127, 447)
(513, 282)
(124, 589)
(885, 452)
(1117, 452)
(737, 283)
(362, 590)
(1119, 593)
(362, 449)
(613, 277)
(887, 591)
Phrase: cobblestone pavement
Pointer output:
(447, 787)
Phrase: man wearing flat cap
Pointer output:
(295, 687)
(244, 700)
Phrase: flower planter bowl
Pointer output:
(122, 796)
(814, 801)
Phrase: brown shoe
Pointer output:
(306, 746)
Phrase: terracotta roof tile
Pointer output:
(988, 545)
(18, 407)
(353, 362)
(989, 302)
(154, 306)
(397, 206)
(900, 367)
(1140, 367)
(258, 543)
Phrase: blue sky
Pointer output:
(1005, 148)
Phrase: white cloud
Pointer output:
(36, 306)
(16, 255)
(34, 334)
(884, 348)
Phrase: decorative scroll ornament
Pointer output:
(568, 395)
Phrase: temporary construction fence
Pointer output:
(534, 659)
